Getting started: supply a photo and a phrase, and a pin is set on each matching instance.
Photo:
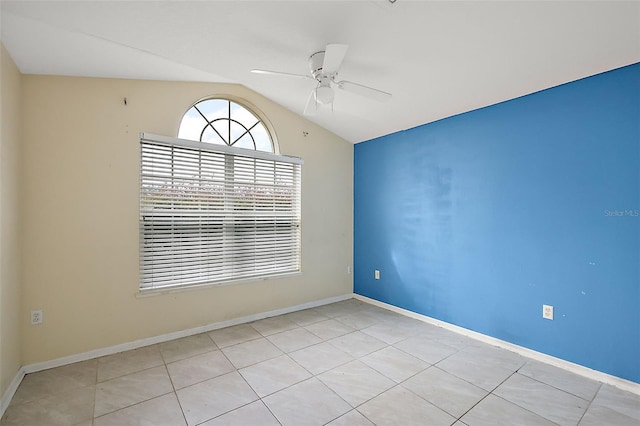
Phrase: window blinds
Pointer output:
(212, 213)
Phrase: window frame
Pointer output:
(230, 153)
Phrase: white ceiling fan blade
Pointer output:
(283, 74)
(365, 91)
(312, 105)
(333, 57)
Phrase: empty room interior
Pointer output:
(376, 212)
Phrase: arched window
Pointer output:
(225, 122)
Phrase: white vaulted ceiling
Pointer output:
(438, 58)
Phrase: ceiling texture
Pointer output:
(437, 58)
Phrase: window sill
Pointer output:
(150, 292)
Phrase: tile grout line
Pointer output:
(211, 378)
(484, 397)
(95, 394)
(590, 403)
(133, 405)
(237, 370)
(272, 413)
(134, 372)
(561, 390)
(600, 384)
(175, 392)
(424, 399)
(525, 409)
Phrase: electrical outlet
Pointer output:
(376, 274)
(547, 312)
(349, 270)
(36, 317)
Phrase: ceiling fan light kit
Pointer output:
(324, 66)
(324, 94)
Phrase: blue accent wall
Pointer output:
(480, 219)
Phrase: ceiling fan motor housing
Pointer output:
(323, 93)
(315, 63)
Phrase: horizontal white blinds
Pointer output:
(210, 214)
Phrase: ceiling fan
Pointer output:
(324, 70)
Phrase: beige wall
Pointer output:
(10, 317)
(81, 214)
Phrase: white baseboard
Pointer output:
(11, 390)
(618, 382)
(39, 366)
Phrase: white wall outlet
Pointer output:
(36, 317)
(349, 270)
(376, 274)
(547, 312)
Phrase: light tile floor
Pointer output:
(348, 363)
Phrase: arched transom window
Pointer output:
(225, 122)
